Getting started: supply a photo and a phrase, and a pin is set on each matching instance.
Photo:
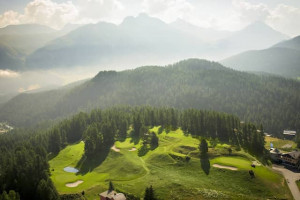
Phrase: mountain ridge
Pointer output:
(190, 83)
(281, 59)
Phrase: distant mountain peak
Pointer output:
(141, 19)
(259, 26)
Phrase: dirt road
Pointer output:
(290, 178)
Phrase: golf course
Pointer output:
(174, 169)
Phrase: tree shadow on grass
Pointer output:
(88, 164)
(205, 165)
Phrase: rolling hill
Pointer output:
(281, 59)
(191, 83)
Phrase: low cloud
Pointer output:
(8, 74)
(45, 12)
(226, 14)
(248, 12)
(285, 18)
(168, 10)
(30, 88)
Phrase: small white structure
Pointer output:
(288, 132)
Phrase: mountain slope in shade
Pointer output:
(281, 59)
(293, 43)
(191, 83)
(253, 37)
(10, 58)
(27, 38)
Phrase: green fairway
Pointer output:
(167, 170)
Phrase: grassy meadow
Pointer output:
(284, 145)
(167, 170)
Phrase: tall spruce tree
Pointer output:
(203, 147)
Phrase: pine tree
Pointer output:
(111, 186)
(149, 193)
(203, 147)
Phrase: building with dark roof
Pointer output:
(291, 158)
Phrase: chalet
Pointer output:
(112, 195)
(291, 158)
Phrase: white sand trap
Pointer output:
(75, 184)
(224, 167)
(133, 149)
(115, 148)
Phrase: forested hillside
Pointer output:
(272, 101)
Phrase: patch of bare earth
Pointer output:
(75, 184)
(224, 167)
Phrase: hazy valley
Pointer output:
(149, 106)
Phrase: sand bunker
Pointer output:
(133, 149)
(75, 184)
(224, 167)
(115, 148)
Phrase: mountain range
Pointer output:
(136, 41)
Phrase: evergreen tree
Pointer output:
(111, 186)
(149, 193)
(154, 140)
(137, 125)
(203, 147)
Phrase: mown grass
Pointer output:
(167, 170)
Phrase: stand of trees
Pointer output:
(24, 168)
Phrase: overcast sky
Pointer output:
(282, 15)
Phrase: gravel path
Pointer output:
(290, 178)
